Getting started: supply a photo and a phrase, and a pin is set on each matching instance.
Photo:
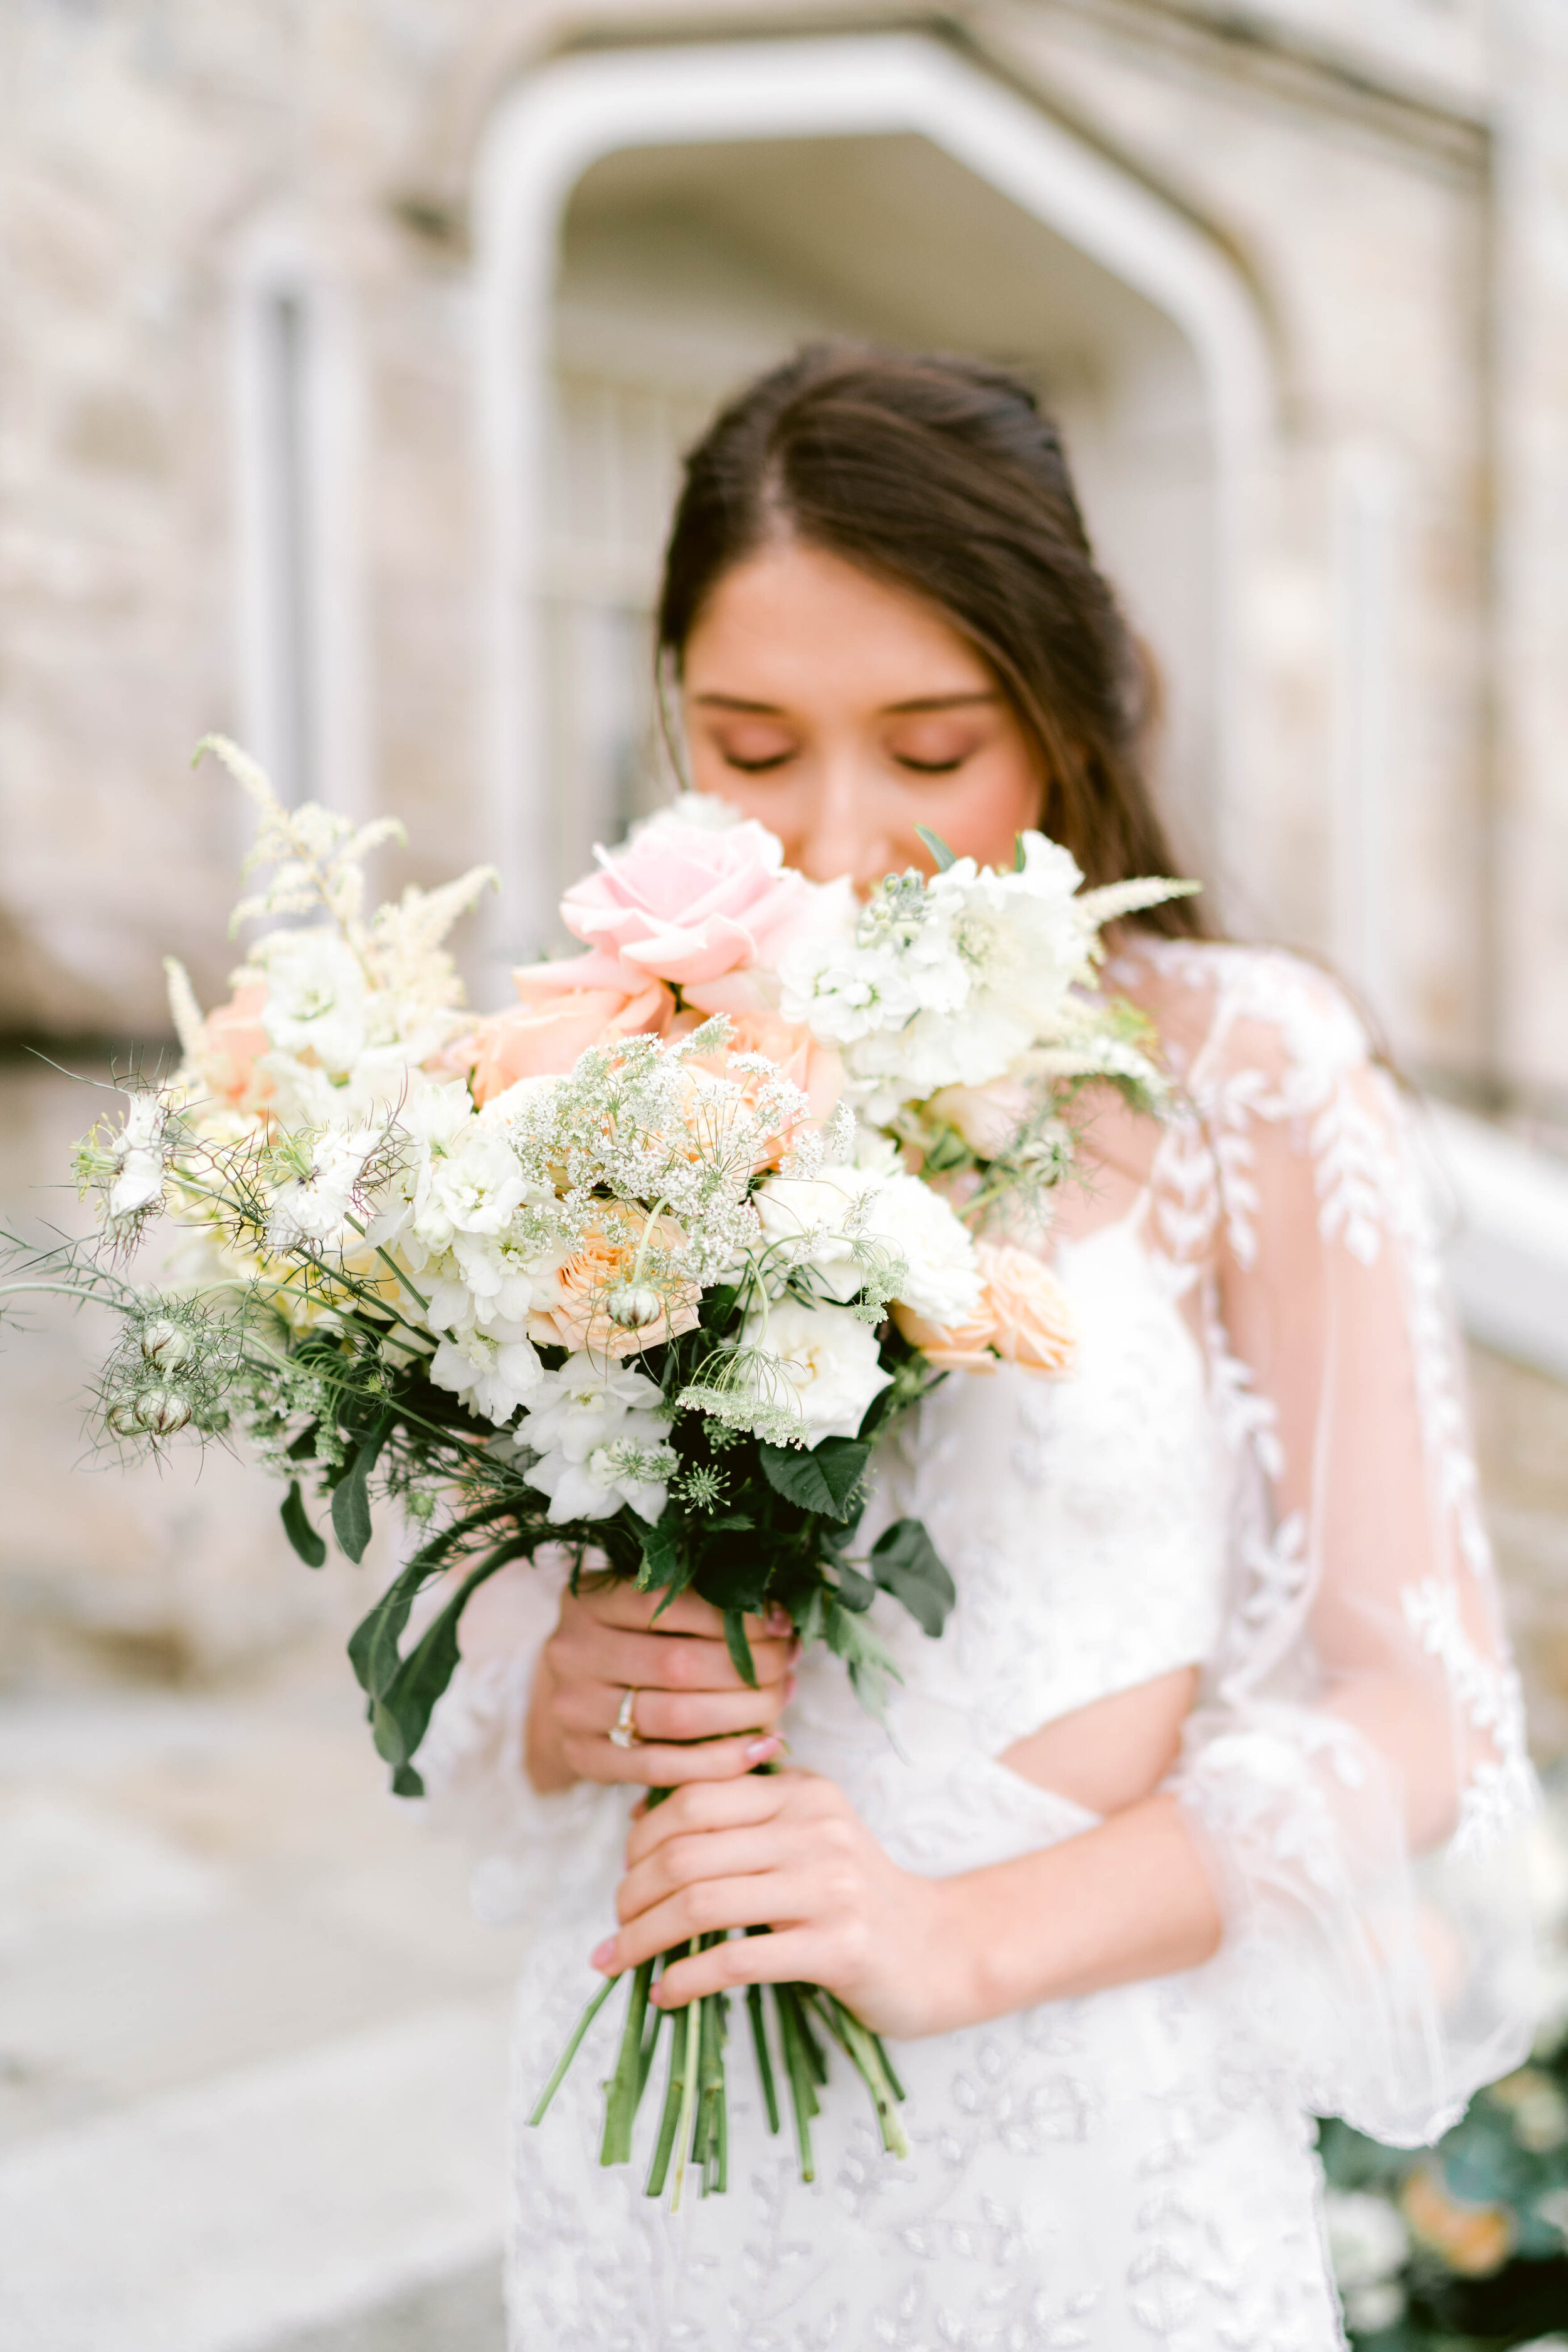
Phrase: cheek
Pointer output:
(982, 810)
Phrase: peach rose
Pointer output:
(576, 1318)
(689, 901)
(231, 1042)
(543, 1035)
(1032, 1323)
(816, 1069)
(951, 1346)
(1024, 1318)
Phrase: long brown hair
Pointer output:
(941, 476)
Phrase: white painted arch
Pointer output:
(572, 113)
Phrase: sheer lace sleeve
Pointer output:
(1356, 1765)
(536, 1857)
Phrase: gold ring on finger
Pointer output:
(625, 1732)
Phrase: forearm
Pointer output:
(1129, 1899)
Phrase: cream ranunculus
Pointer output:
(942, 1278)
(827, 1363)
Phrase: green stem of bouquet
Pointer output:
(694, 2122)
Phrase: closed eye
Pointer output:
(757, 767)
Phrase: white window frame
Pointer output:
(298, 451)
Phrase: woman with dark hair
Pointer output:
(1197, 1817)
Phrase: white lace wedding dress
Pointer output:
(1261, 1467)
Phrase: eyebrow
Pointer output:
(889, 710)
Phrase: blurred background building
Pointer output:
(348, 348)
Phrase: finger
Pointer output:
(659, 1715)
(760, 1899)
(683, 1862)
(659, 1661)
(614, 1600)
(655, 1765)
(708, 1805)
(789, 1955)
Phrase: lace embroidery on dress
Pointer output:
(1359, 1753)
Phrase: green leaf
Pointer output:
(304, 1447)
(400, 1714)
(298, 1528)
(855, 1591)
(351, 1495)
(823, 1480)
(871, 1667)
(739, 1649)
(660, 1559)
(1018, 853)
(939, 849)
(906, 1563)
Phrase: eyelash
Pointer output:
(932, 767)
(757, 767)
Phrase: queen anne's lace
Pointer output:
(1261, 1467)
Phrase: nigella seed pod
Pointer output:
(165, 1344)
(162, 1412)
(634, 1305)
(123, 1417)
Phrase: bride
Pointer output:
(1198, 1819)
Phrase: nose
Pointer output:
(844, 833)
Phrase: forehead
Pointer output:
(794, 621)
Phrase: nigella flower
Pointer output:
(130, 1165)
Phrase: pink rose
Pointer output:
(689, 902)
(556, 1022)
(231, 1042)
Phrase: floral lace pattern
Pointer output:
(1260, 1469)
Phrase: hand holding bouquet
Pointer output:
(643, 1267)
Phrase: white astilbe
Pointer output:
(358, 1004)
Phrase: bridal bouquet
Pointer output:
(642, 1266)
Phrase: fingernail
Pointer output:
(603, 1955)
(759, 1751)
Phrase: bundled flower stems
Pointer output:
(643, 1266)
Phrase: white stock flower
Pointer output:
(827, 1363)
(492, 1371)
(474, 1186)
(598, 1444)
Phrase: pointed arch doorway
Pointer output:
(653, 223)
